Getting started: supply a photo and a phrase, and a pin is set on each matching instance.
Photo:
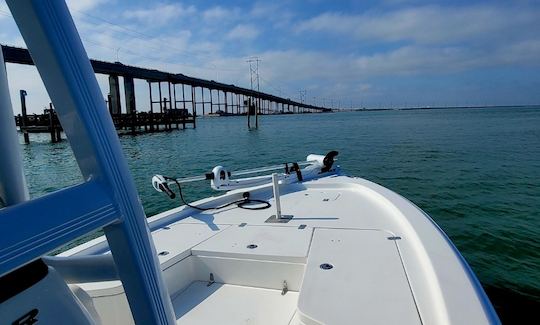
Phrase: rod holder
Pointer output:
(278, 217)
(275, 183)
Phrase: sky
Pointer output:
(388, 53)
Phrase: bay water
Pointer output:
(476, 172)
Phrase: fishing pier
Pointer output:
(175, 100)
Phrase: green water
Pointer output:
(475, 171)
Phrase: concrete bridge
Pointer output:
(175, 99)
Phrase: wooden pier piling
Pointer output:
(24, 119)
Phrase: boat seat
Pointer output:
(36, 293)
(376, 290)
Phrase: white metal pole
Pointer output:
(13, 188)
(59, 55)
(275, 183)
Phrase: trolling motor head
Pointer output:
(326, 162)
(159, 182)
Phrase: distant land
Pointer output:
(433, 107)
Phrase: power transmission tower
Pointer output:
(254, 72)
(303, 94)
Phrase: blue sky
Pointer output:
(356, 53)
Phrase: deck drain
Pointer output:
(326, 266)
(163, 253)
(251, 246)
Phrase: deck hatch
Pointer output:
(270, 243)
(376, 289)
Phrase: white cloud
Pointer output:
(160, 14)
(278, 14)
(27, 78)
(265, 9)
(427, 24)
(338, 73)
(523, 52)
(417, 60)
(243, 32)
(363, 87)
(4, 10)
(84, 5)
(219, 14)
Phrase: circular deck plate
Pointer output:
(326, 266)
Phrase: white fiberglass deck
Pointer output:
(354, 253)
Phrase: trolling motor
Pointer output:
(315, 166)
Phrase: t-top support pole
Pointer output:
(13, 188)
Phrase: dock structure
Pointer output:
(175, 100)
(38, 123)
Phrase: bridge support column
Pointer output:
(129, 91)
(202, 98)
(114, 91)
(193, 106)
(226, 103)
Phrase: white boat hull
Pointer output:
(354, 252)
